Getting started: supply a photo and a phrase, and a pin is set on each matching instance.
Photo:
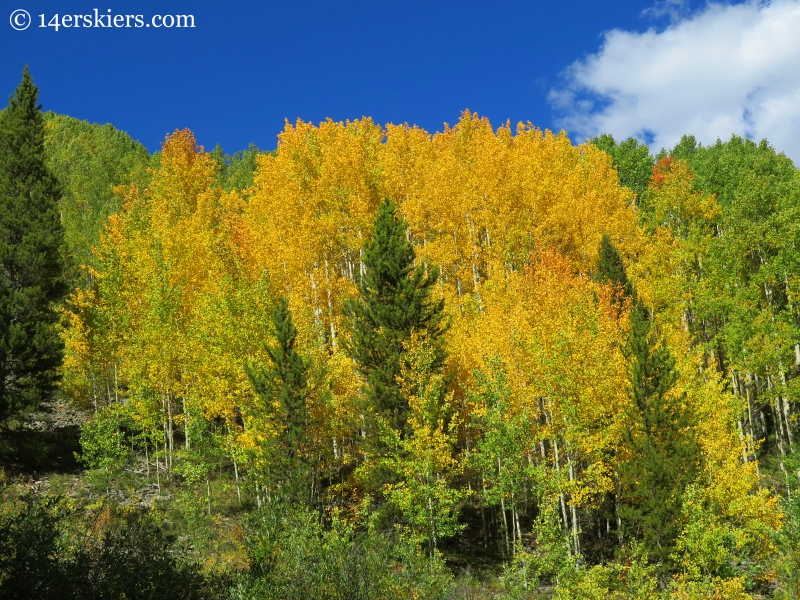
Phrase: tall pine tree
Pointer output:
(284, 386)
(31, 263)
(611, 270)
(663, 455)
(394, 300)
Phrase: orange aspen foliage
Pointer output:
(513, 220)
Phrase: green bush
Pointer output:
(294, 556)
(46, 552)
(30, 548)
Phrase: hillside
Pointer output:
(376, 362)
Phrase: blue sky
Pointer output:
(245, 67)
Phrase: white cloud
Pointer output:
(674, 9)
(726, 69)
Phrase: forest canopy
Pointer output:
(476, 363)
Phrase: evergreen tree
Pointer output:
(611, 270)
(663, 454)
(284, 385)
(31, 263)
(394, 300)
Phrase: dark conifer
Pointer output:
(664, 454)
(31, 262)
(394, 300)
(611, 270)
(284, 386)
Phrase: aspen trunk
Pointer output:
(749, 409)
(573, 511)
(576, 540)
(487, 534)
(561, 499)
(787, 420)
(505, 525)
(742, 440)
(361, 268)
(557, 461)
(330, 306)
(475, 256)
(236, 475)
(94, 393)
(170, 428)
(317, 309)
(186, 426)
(777, 419)
(788, 487)
(431, 525)
(785, 409)
(166, 434)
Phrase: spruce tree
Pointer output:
(286, 382)
(611, 270)
(394, 300)
(663, 454)
(31, 263)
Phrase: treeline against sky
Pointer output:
(599, 395)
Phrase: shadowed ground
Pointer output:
(44, 442)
